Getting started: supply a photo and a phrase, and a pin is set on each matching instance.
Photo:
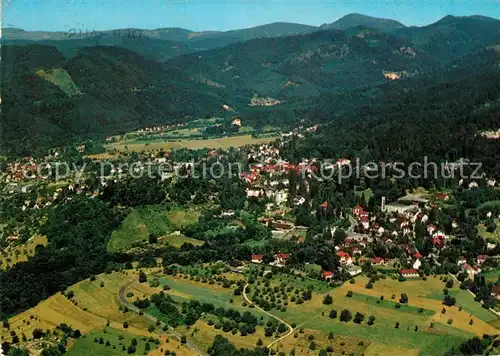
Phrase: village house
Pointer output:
(356, 251)
(495, 292)
(365, 222)
(281, 258)
(357, 210)
(257, 258)
(480, 259)
(442, 196)
(490, 246)
(344, 258)
(471, 271)
(327, 275)
(409, 273)
(281, 225)
(473, 185)
(377, 261)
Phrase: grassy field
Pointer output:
(493, 275)
(183, 217)
(61, 78)
(117, 339)
(22, 252)
(492, 236)
(143, 221)
(177, 240)
(215, 143)
(341, 344)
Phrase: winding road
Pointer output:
(132, 307)
(271, 315)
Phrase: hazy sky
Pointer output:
(61, 15)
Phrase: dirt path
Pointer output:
(132, 307)
(272, 316)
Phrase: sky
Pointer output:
(222, 15)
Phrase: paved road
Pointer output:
(353, 224)
(132, 307)
(272, 316)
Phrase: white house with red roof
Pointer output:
(431, 228)
(471, 271)
(357, 210)
(327, 275)
(377, 261)
(365, 222)
(344, 258)
(280, 258)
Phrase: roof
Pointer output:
(324, 204)
(327, 274)
(495, 289)
(343, 254)
(408, 271)
(282, 255)
(482, 257)
(441, 196)
(418, 255)
(256, 257)
(377, 260)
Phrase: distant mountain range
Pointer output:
(164, 43)
(57, 87)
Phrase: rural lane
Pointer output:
(271, 315)
(132, 307)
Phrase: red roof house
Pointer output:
(327, 275)
(257, 258)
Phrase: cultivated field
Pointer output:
(383, 336)
(214, 143)
(95, 305)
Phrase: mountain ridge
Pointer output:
(355, 19)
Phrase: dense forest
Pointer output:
(435, 117)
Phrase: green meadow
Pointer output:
(86, 344)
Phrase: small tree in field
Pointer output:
(327, 300)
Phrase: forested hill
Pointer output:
(333, 60)
(355, 20)
(48, 100)
(438, 117)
